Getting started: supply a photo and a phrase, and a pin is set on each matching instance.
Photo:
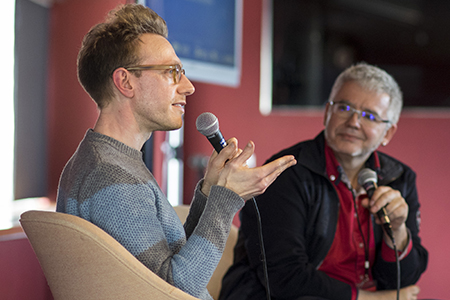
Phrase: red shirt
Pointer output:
(352, 253)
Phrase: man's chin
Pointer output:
(177, 126)
(348, 151)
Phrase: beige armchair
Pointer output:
(81, 261)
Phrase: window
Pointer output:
(7, 119)
(312, 41)
(24, 150)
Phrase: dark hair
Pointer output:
(113, 44)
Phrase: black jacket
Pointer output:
(299, 214)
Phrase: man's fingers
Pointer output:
(248, 151)
(228, 152)
(383, 196)
(272, 170)
(277, 166)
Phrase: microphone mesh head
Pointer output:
(367, 175)
(207, 124)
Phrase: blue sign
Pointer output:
(206, 35)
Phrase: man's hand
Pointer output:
(229, 169)
(397, 210)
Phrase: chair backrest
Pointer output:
(81, 261)
(215, 284)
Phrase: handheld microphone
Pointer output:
(208, 125)
(367, 178)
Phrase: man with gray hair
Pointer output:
(324, 237)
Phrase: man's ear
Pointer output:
(326, 116)
(122, 81)
(389, 134)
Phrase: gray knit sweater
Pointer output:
(107, 183)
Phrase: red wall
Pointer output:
(71, 111)
(422, 140)
(21, 276)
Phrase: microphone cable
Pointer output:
(397, 262)
(208, 125)
(263, 252)
(388, 231)
(398, 270)
(367, 178)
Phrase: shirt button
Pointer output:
(361, 245)
(332, 177)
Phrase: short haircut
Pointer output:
(113, 44)
(373, 79)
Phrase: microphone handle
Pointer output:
(370, 190)
(217, 141)
(382, 214)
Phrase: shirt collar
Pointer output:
(335, 171)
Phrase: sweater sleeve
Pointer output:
(199, 257)
(195, 210)
(141, 219)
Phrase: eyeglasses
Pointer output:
(344, 110)
(175, 70)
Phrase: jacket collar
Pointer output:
(313, 156)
